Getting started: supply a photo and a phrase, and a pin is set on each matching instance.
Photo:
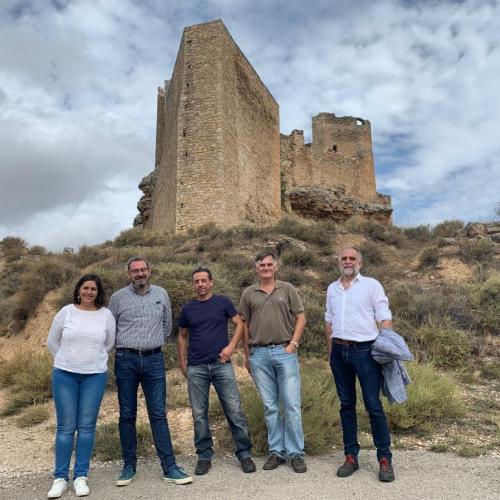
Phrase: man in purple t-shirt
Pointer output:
(204, 322)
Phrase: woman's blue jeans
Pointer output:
(348, 362)
(77, 398)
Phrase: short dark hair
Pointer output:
(201, 269)
(265, 253)
(99, 300)
(137, 258)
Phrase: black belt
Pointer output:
(351, 342)
(270, 345)
(146, 352)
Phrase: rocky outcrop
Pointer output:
(490, 230)
(332, 203)
(146, 185)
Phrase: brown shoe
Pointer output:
(273, 461)
(248, 465)
(386, 472)
(299, 464)
(348, 467)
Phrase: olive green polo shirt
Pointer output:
(270, 318)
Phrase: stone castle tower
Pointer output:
(220, 157)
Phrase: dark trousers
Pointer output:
(149, 371)
(221, 375)
(348, 362)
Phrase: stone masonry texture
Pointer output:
(220, 157)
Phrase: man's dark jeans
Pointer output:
(130, 370)
(221, 375)
(347, 362)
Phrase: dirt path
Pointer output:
(419, 475)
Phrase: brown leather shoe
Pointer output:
(386, 472)
(248, 465)
(348, 467)
(299, 464)
(273, 461)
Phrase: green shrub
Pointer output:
(37, 250)
(41, 277)
(448, 229)
(372, 255)
(421, 233)
(433, 398)
(293, 275)
(295, 257)
(391, 235)
(107, 441)
(313, 341)
(33, 415)
(317, 233)
(176, 279)
(490, 370)
(13, 248)
(141, 237)
(429, 257)
(481, 250)
(441, 344)
(88, 255)
(485, 304)
(320, 408)
(417, 305)
(214, 245)
(246, 232)
(29, 380)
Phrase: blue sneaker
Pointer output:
(177, 475)
(126, 476)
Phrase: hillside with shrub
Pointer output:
(443, 287)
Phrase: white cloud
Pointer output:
(78, 83)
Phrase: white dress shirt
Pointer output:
(355, 311)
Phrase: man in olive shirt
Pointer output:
(274, 323)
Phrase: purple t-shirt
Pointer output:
(206, 321)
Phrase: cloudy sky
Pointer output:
(78, 83)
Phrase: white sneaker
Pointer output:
(81, 488)
(59, 486)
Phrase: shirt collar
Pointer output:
(358, 277)
(133, 289)
(278, 284)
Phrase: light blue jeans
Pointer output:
(277, 377)
(221, 375)
(77, 398)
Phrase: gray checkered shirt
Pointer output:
(143, 322)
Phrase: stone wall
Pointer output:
(219, 156)
(339, 159)
(217, 131)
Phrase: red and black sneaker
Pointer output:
(386, 472)
(348, 467)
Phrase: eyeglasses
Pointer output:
(137, 271)
(350, 258)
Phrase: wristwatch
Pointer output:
(296, 344)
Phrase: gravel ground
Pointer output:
(419, 475)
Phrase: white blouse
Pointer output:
(80, 340)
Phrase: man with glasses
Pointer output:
(356, 306)
(143, 323)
